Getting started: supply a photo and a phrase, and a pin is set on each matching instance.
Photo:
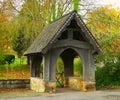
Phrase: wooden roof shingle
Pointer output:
(51, 31)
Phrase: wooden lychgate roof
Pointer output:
(51, 32)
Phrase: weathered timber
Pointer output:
(67, 37)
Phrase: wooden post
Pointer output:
(32, 67)
(35, 65)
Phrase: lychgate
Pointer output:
(66, 37)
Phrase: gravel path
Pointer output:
(63, 94)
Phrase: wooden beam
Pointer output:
(70, 34)
(73, 29)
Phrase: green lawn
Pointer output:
(15, 70)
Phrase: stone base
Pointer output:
(89, 86)
(78, 84)
(75, 83)
(39, 85)
(50, 87)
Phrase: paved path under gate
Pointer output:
(68, 94)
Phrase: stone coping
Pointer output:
(15, 79)
(14, 83)
(43, 79)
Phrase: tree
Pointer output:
(104, 23)
(76, 4)
(18, 43)
(6, 14)
(36, 14)
(33, 17)
(61, 7)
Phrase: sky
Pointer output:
(115, 3)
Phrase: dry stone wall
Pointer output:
(15, 84)
(39, 85)
(78, 84)
(75, 83)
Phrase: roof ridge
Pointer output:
(63, 16)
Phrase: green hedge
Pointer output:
(6, 59)
(109, 75)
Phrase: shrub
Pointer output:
(2, 59)
(6, 59)
(109, 75)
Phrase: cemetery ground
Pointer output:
(22, 71)
(61, 94)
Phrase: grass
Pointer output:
(15, 70)
(19, 69)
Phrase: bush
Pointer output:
(6, 59)
(2, 59)
(109, 75)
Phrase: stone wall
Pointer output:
(39, 85)
(50, 87)
(89, 86)
(75, 83)
(15, 84)
(78, 84)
